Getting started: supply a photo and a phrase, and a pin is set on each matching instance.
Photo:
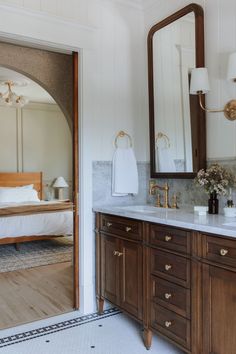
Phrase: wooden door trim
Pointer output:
(76, 179)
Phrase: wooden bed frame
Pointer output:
(17, 179)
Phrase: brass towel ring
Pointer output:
(161, 135)
(122, 134)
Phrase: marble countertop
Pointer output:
(214, 224)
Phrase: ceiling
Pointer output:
(30, 88)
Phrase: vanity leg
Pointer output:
(147, 336)
(100, 305)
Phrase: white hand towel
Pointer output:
(165, 162)
(124, 173)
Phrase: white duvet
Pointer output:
(53, 223)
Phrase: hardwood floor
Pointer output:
(33, 294)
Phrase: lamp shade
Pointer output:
(60, 183)
(231, 73)
(199, 81)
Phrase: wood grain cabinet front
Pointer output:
(120, 268)
(170, 238)
(128, 228)
(170, 295)
(171, 325)
(177, 283)
(219, 310)
(219, 250)
(171, 267)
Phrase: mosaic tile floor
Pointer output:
(112, 333)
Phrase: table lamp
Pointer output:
(60, 184)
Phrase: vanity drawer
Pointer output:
(124, 227)
(171, 325)
(172, 296)
(171, 267)
(220, 250)
(170, 238)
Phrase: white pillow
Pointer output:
(18, 195)
(27, 186)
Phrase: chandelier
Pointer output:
(10, 98)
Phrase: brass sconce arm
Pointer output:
(229, 109)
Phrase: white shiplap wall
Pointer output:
(77, 10)
(220, 27)
(220, 41)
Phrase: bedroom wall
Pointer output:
(36, 138)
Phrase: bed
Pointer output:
(33, 220)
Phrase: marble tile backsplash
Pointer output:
(102, 185)
(188, 194)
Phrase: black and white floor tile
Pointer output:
(111, 333)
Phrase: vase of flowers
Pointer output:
(215, 180)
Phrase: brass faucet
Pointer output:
(164, 188)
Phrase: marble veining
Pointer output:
(102, 171)
(188, 193)
(187, 219)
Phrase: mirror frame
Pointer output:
(198, 121)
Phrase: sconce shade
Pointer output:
(199, 81)
(231, 74)
(60, 183)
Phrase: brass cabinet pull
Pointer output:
(117, 253)
(127, 229)
(168, 238)
(168, 324)
(223, 252)
(168, 266)
(109, 224)
(168, 296)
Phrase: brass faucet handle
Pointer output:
(152, 183)
(174, 202)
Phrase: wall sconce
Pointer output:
(199, 85)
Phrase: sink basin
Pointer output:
(144, 209)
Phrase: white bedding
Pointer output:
(52, 223)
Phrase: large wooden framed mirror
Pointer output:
(177, 124)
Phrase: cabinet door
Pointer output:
(109, 269)
(131, 294)
(219, 309)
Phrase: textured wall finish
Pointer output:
(52, 71)
(187, 193)
(102, 185)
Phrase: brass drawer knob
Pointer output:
(223, 252)
(128, 229)
(168, 266)
(168, 238)
(119, 254)
(168, 324)
(109, 224)
(168, 296)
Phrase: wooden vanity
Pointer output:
(176, 282)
